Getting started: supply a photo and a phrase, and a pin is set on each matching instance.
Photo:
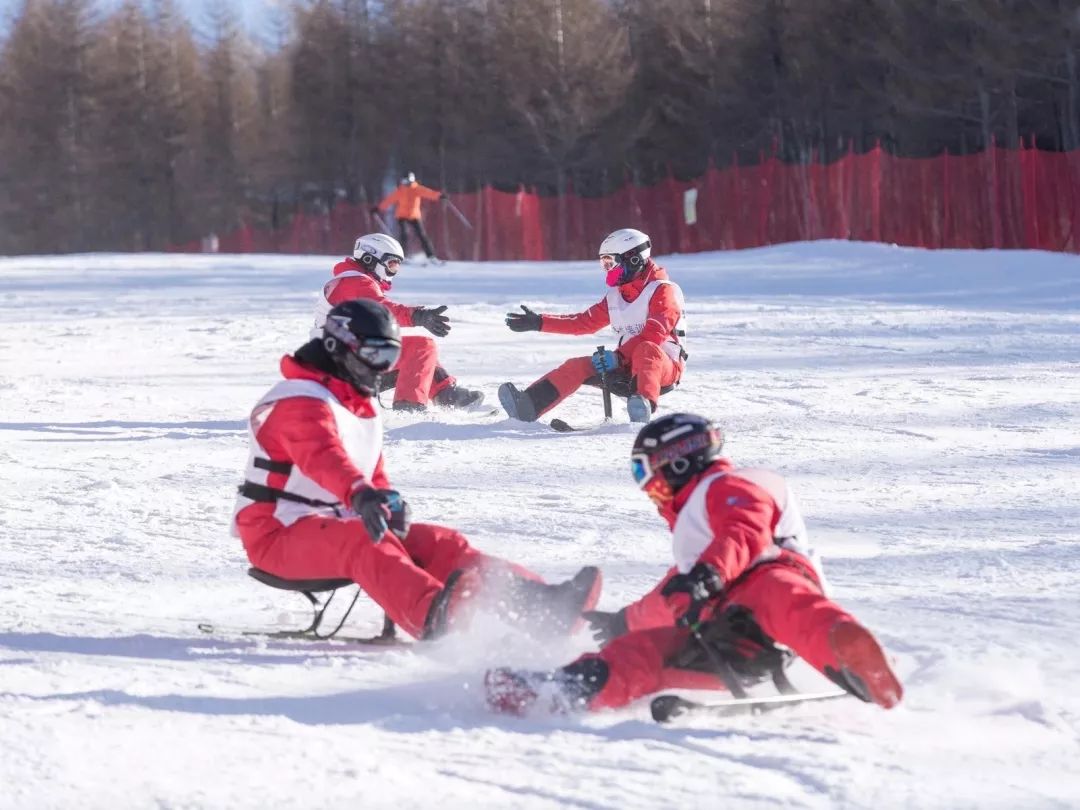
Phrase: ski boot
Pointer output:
(553, 611)
(567, 690)
(864, 670)
(453, 607)
(517, 404)
(454, 396)
(638, 408)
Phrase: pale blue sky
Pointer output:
(255, 14)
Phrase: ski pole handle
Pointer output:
(604, 388)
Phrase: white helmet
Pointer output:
(375, 250)
(630, 249)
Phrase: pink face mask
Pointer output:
(614, 270)
(614, 276)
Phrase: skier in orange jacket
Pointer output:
(407, 197)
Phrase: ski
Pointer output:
(301, 635)
(666, 708)
(559, 426)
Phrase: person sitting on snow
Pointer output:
(419, 378)
(644, 308)
(744, 581)
(317, 502)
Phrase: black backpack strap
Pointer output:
(264, 494)
(283, 467)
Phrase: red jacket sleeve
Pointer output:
(303, 430)
(742, 517)
(653, 610)
(353, 287)
(379, 479)
(591, 320)
(664, 313)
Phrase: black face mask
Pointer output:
(314, 354)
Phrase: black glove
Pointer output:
(400, 514)
(606, 626)
(373, 507)
(432, 319)
(701, 583)
(444, 196)
(374, 210)
(529, 322)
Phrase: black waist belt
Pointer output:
(283, 467)
(264, 494)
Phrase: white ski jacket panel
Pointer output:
(692, 533)
(362, 439)
(323, 305)
(628, 318)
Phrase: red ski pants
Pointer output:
(648, 362)
(417, 377)
(788, 606)
(401, 576)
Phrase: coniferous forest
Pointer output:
(130, 129)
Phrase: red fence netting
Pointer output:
(998, 198)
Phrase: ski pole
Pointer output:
(723, 667)
(458, 213)
(381, 221)
(604, 387)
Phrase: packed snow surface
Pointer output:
(924, 405)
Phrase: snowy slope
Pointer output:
(925, 405)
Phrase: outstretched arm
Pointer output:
(428, 193)
(591, 320)
(353, 287)
(388, 200)
(654, 609)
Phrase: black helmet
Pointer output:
(363, 340)
(671, 450)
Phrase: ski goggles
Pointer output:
(379, 354)
(643, 467)
(676, 457)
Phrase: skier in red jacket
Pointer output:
(744, 581)
(643, 306)
(419, 378)
(317, 503)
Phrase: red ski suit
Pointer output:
(641, 356)
(746, 524)
(331, 435)
(419, 377)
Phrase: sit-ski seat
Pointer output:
(310, 587)
(622, 385)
